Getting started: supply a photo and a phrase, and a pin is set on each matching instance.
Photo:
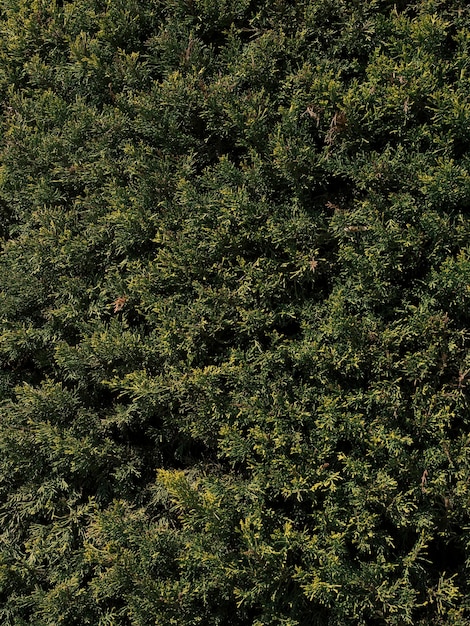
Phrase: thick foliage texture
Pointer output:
(234, 313)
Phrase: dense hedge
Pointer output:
(235, 300)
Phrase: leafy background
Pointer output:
(235, 288)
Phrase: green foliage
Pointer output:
(234, 310)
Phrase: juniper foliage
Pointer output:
(234, 300)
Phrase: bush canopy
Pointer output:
(234, 313)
